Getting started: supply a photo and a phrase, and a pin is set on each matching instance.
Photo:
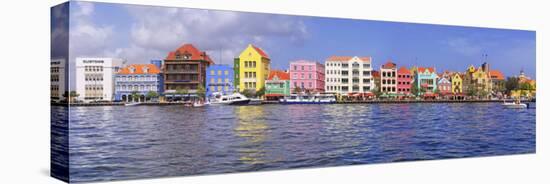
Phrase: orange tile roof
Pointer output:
(496, 74)
(282, 75)
(195, 53)
(346, 58)
(260, 51)
(422, 69)
(139, 69)
(389, 65)
(375, 73)
(403, 70)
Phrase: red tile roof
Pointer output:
(280, 74)
(375, 73)
(496, 74)
(403, 70)
(195, 53)
(346, 58)
(139, 69)
(422, 69)
(389, 65)
(260, 51)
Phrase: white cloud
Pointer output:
(155, 31)
(223, 34)
(88, 38)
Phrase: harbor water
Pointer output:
(117, 142)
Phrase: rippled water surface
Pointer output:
(116, 142)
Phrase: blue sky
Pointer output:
(141, 33)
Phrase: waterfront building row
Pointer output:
(189, 70)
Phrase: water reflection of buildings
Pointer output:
(253, 128)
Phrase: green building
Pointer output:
(277, 85)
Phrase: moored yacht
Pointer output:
(232, 99)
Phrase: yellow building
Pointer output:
(251, 69)
(478, 80)
(456, 81)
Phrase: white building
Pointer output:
(346, 74)
(95, 78)
(58, 83)
(388, 78)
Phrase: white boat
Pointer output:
(309, 99)
(232, 99)
(132, 104)
(200, 104)
(515, 105)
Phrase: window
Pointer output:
(219, 72)
(226, 72)
(211, 72)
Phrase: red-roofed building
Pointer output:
(426, 79)
(498, 81)
(185, 69)
(138, 83)
(388, 79)
(251, 69)
(277, 85)
(404, 81)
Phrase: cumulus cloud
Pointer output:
(152, 32)
(223, 34)
(88, 38)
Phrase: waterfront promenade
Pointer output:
(189, 103)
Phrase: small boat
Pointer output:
(515, 105)
(132, 104)
(232, 99)
(200, 104)
(309, 99)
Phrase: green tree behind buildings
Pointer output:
(152, 94)
(201, 91)
(512, 83)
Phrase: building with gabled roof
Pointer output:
(277, 85)
(184, 69)
(251, 69)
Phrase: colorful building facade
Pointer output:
(219, 79)
(251, 69)
(348, 74)
(404, 81)
(307, 75)
(456, 81)
(426, 79)
(477, 82)
(444, 86)
(134, 82)
(277, 85)
(185, 69)
(388, 78)
(498, 80)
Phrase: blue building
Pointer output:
(219, 78)
(134, 82)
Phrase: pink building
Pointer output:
(404, 81)
(308, 75)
